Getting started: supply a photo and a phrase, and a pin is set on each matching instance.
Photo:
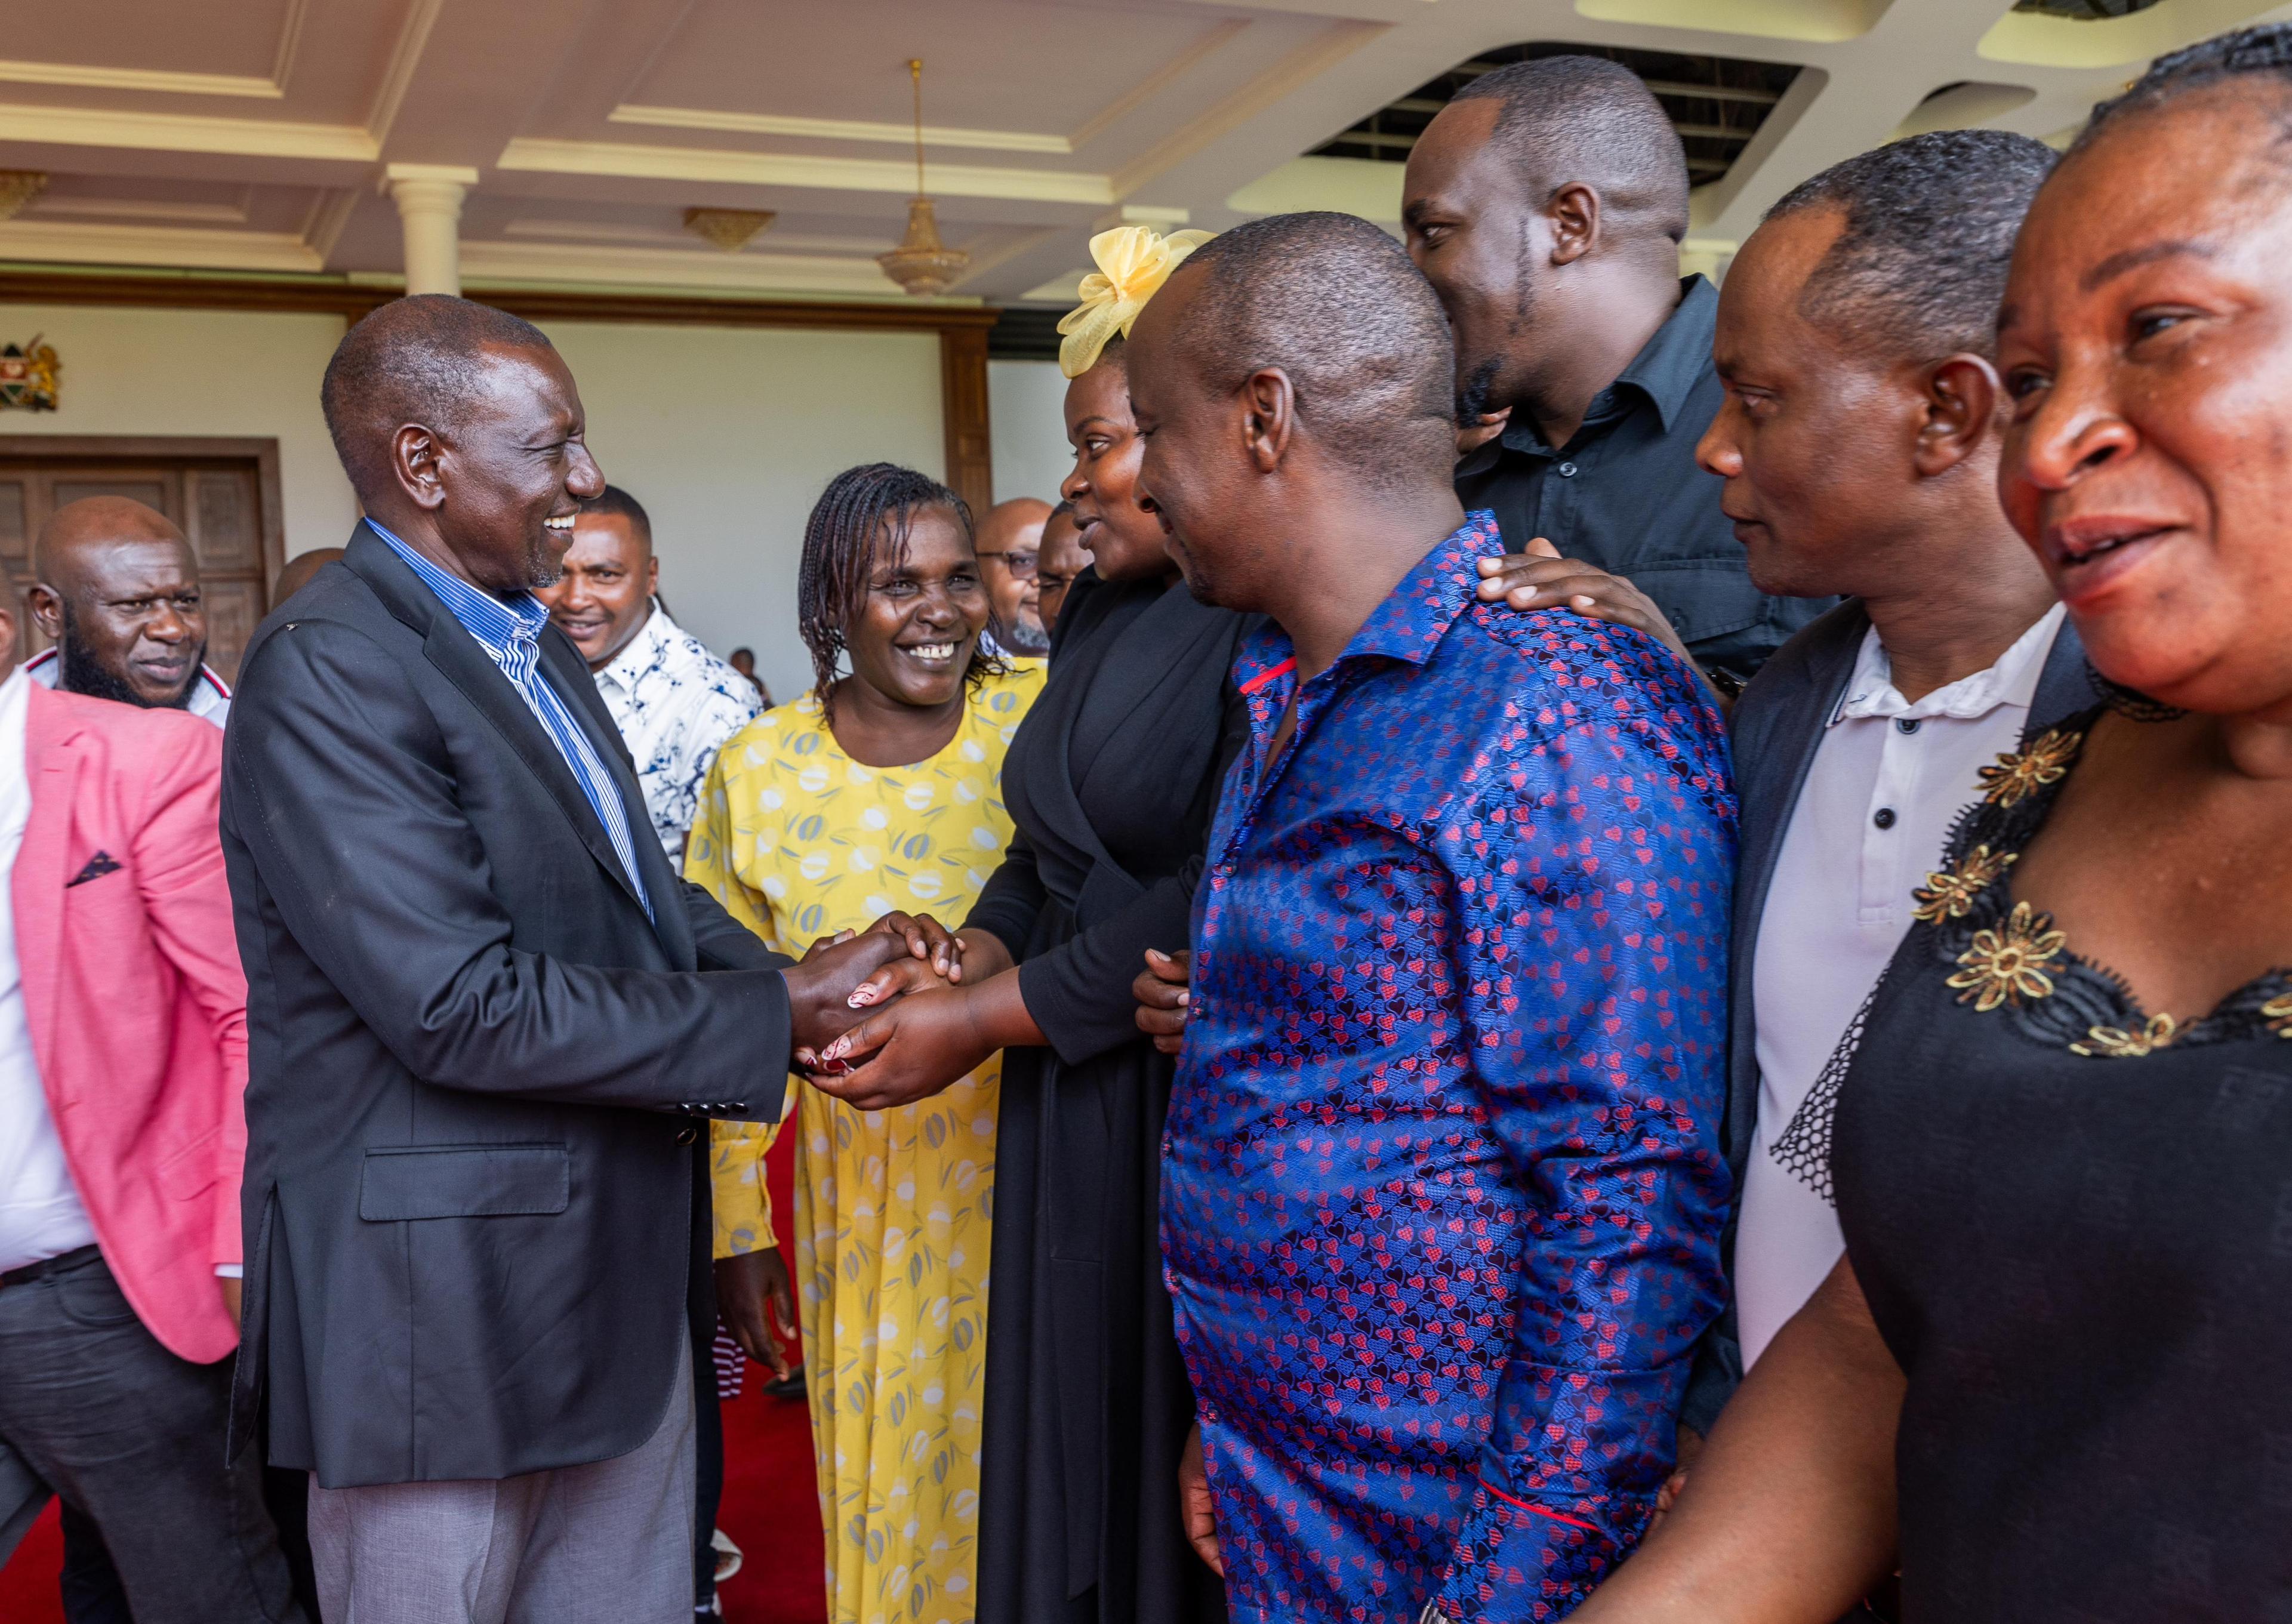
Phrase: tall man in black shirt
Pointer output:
(1547, 204)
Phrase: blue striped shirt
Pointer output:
(509, 630)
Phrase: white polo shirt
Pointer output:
(1887, 781)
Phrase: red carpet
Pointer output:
(772, 1505)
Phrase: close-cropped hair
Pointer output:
(414, 360)
(1585, 118)
(2262, 54)
(616, 503)
(1335, 304)
(1919, 269)
(861, 522)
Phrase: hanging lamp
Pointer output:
(922, 263)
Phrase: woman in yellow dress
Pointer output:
(880, 790)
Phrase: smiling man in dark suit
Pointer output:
(485, 1021)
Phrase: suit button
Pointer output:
(688, 1135)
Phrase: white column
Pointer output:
(429, 198)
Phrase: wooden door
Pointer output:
(224, 494)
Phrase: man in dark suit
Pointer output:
(1859, 445)
(487, 1023)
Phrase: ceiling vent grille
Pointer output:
(2083, 11)
(1717, 103)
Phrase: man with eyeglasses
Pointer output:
(1009, 545)
(1060, 560)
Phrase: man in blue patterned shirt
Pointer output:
(1442, 1178)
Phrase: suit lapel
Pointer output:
(53, 758)
(462, 661)
(1767, 782)
(568, 674)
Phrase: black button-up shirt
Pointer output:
(1624, 493)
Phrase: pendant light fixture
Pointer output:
(922, 263)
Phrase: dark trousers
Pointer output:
(92, 1409)
(93, 1594)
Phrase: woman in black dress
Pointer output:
(2053, 1378)
(1111, 782)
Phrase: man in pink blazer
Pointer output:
(123, 1059)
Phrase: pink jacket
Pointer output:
(135, 998)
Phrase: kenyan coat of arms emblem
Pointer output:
(27, 377)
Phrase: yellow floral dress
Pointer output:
(800, 841)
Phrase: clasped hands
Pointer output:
(932, 1010)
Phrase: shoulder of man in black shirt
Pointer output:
(1624, 495)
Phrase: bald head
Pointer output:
(117, 588)
(299, 571)
(78, 531)
(416, 360)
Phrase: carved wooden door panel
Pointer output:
(224, 494)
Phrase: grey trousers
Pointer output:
(610, 1541)
(92, 1408)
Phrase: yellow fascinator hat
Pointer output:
(1134, 261)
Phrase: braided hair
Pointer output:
(863, 516)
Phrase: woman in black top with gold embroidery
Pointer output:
(2053, 1378)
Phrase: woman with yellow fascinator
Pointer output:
(1110, 783)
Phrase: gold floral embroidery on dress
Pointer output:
(2019, 774)
(2278, 1013)
(2115, 1043)
(2011, 962)
(1949, 895)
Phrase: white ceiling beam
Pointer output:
(159, 81)
(74, 243)
(837, 129)
(714, 166)
(528, 264)
(79, 127)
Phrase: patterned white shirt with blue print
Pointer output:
(675, 704)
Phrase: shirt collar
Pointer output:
(1410, 623)
(1665, 371)
(498, 623)
(1668, 366)
(2011, 681)
(641, 652)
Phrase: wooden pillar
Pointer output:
(963, 409)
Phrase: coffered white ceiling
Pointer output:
(251, 135)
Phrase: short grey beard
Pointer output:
(1026, 638)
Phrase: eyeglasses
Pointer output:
(1022, 565)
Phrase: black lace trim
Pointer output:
(1803, 1150)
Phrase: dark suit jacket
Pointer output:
(476, 1187)
(1777, 727)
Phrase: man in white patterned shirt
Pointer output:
(674, 702)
